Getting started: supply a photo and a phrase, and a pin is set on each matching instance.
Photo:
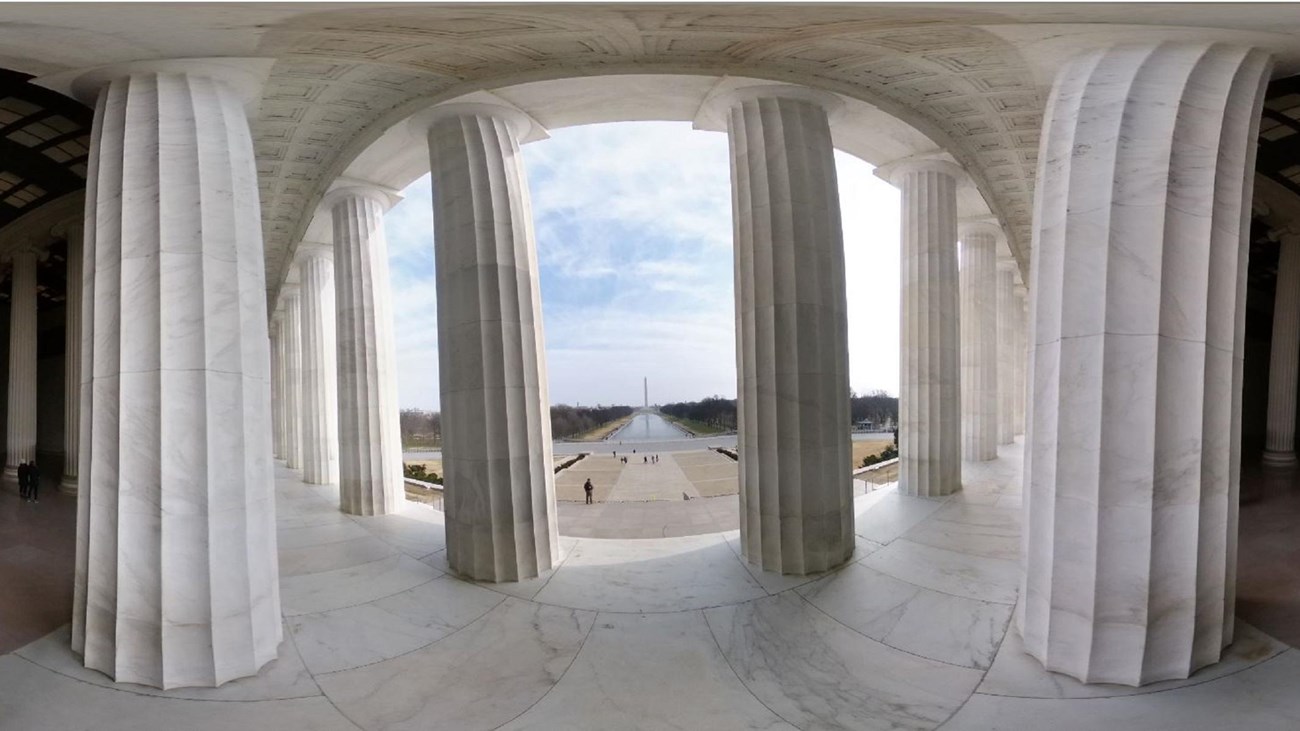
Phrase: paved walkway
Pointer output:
(912, 633)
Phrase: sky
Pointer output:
(634, 243)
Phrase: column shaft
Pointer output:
(21, 433)
(979, 342)
(320, 435)
(1284, 357)
(292, 336)
(1007, 356)
(370, 438)
(1138, 303)
(277, 387)
(72, 362)
(796, 498)
(176, 574)
(1021, 359)
(929, 429)
(496, 429)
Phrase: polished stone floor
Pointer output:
(672, 633)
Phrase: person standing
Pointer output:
(33, 482)
(587, 488)
(22, 480)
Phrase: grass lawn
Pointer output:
(865, 448)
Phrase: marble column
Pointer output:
(370, 439)
(72, 233)
(320, 434)
(496, 428)
(979, 341)
(1284, 357)
(20, 436)
(796, 499)
(1138, 304)
(929, 404)
(1007, 356)
(177, 582)
(1020, 306)
(277, 385)
(291, 300)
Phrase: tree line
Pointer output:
(877, 406)
(422, 428)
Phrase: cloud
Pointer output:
(634, 238)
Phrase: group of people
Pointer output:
(645, 459)
(29, 481)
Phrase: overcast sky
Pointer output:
(633, 225)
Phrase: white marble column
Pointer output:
(72, 232)
(929, 404)
(277, 385)
(796, 499)
(177, 580)
(1138, 303)
(980, 363)
(1284, 357)
(1020, 365)
(20, 436)
(291, 301)
(370, 438)
(496, 428)
(1007, 355)
(320, 434)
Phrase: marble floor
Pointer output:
(669, 633)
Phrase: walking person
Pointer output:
(22, 480)
(587, 488)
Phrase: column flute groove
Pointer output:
(1284, 356)
(369, 435)
(177, 581)
(1137, 306)
(980, 364)
(929, 430)
(500, 489)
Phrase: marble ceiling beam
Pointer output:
(1138, 304)
(496, 427)
(796, 498)
(177, 582)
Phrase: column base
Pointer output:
(1271, 458)
(68, 485)
(9, 479)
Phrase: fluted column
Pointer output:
(1138, 304)
(1007, 356)
(496, 430)
(1020, 356)
(929, 403)
(370, 439)
(176, 574)
(277, 385)
(320, 435)
(796, 499)
(291, 300)
(1284, 356)
(21, 434)
(72, 233)
(980, 363)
